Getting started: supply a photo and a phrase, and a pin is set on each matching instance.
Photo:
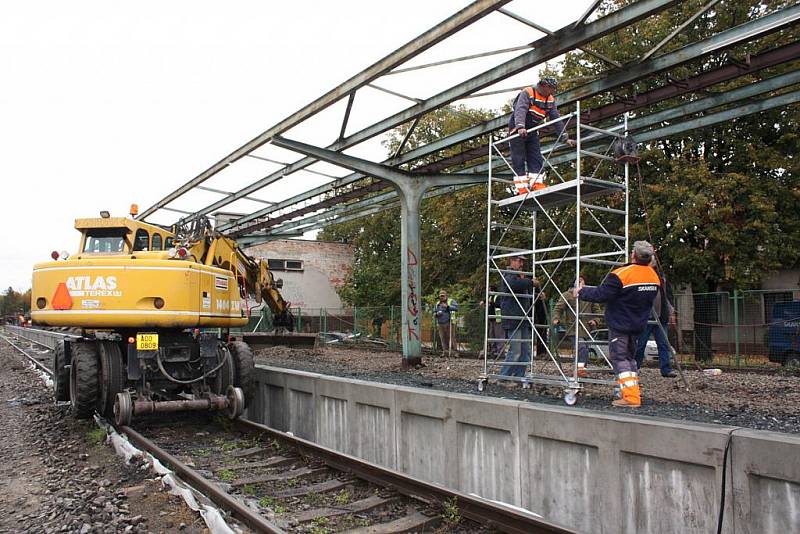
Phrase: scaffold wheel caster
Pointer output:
(481, 385)
(235, 398)
(570, 397)
(123, 409)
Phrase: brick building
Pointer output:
(311, 270)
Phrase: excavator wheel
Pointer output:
(113, 376)
(83, 379)
(244, 365)
(60, 373)
(227, 373)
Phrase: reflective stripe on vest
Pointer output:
(539, 104)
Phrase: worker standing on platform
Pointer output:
(564, 318)
(445, 313)
(628, 292)
(514, 309)
(495, 330)
(532, 107)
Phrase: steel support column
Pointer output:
(410, 189)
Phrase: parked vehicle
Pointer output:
(783, 334)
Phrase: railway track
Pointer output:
(273, 481)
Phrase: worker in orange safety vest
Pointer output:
(532, 107)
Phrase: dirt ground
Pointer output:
(755, 400)
(59, 476)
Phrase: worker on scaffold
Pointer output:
(629, 293)
(532, 107)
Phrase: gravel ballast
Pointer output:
(753, 400)
(59, 476)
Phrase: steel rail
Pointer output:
(208, 488)
(491, 513)
(33, 360)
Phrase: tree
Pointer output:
(452, 226)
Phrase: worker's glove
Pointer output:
(522, 132)
(571, 142)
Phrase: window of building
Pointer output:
(285, 265)
(156, 242)
(276, 265)
(168, 243)
(142, 240)
(294, 265)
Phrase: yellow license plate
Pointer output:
(146, 341)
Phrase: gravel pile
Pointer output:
(753, 400)
(59, 477)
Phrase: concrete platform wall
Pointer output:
(591, 471)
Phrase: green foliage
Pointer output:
(226, 475)
(450, 512)
(14, 303)
(343, 497)
(249, 489)
(96, 436)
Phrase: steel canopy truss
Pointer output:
(341, 199)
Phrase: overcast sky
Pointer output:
(104, 104)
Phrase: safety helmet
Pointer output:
(549, 81)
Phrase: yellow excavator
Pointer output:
(154, 306)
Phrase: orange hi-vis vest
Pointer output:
(539, 104)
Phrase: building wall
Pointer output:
(325, 267)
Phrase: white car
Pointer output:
(596, 350)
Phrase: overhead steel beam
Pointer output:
(347, 110)
(546, 31)
(587, 13)
(459, 59)
(311, 171)
(636, 125)
(413, 48)
(546, 48)
(725, 73)
(677, 30)
(227, 193)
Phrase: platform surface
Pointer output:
(562, 193)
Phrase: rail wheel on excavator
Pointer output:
(154, 306)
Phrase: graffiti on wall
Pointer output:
(412, 304)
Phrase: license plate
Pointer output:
(146, 341)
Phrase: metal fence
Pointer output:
(736, 329)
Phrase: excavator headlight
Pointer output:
(54, 255)
(183, 252)
(172, 252)
(65, 254)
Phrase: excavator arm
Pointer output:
(253, 275)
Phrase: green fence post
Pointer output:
(736, 323)
(391, 327)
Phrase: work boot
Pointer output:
(669, 374)
(629, 386)
(536, 181)
(582, 370)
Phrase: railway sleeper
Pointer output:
(364, 505)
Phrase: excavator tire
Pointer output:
(83, 379)
(245, 366)
(60, 373)
(113, 376)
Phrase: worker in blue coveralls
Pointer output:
(532, 107)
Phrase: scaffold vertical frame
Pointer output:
(547, 213)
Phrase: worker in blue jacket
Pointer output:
(515, 310)
(629, 293)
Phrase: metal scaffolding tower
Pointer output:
(578, 220)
